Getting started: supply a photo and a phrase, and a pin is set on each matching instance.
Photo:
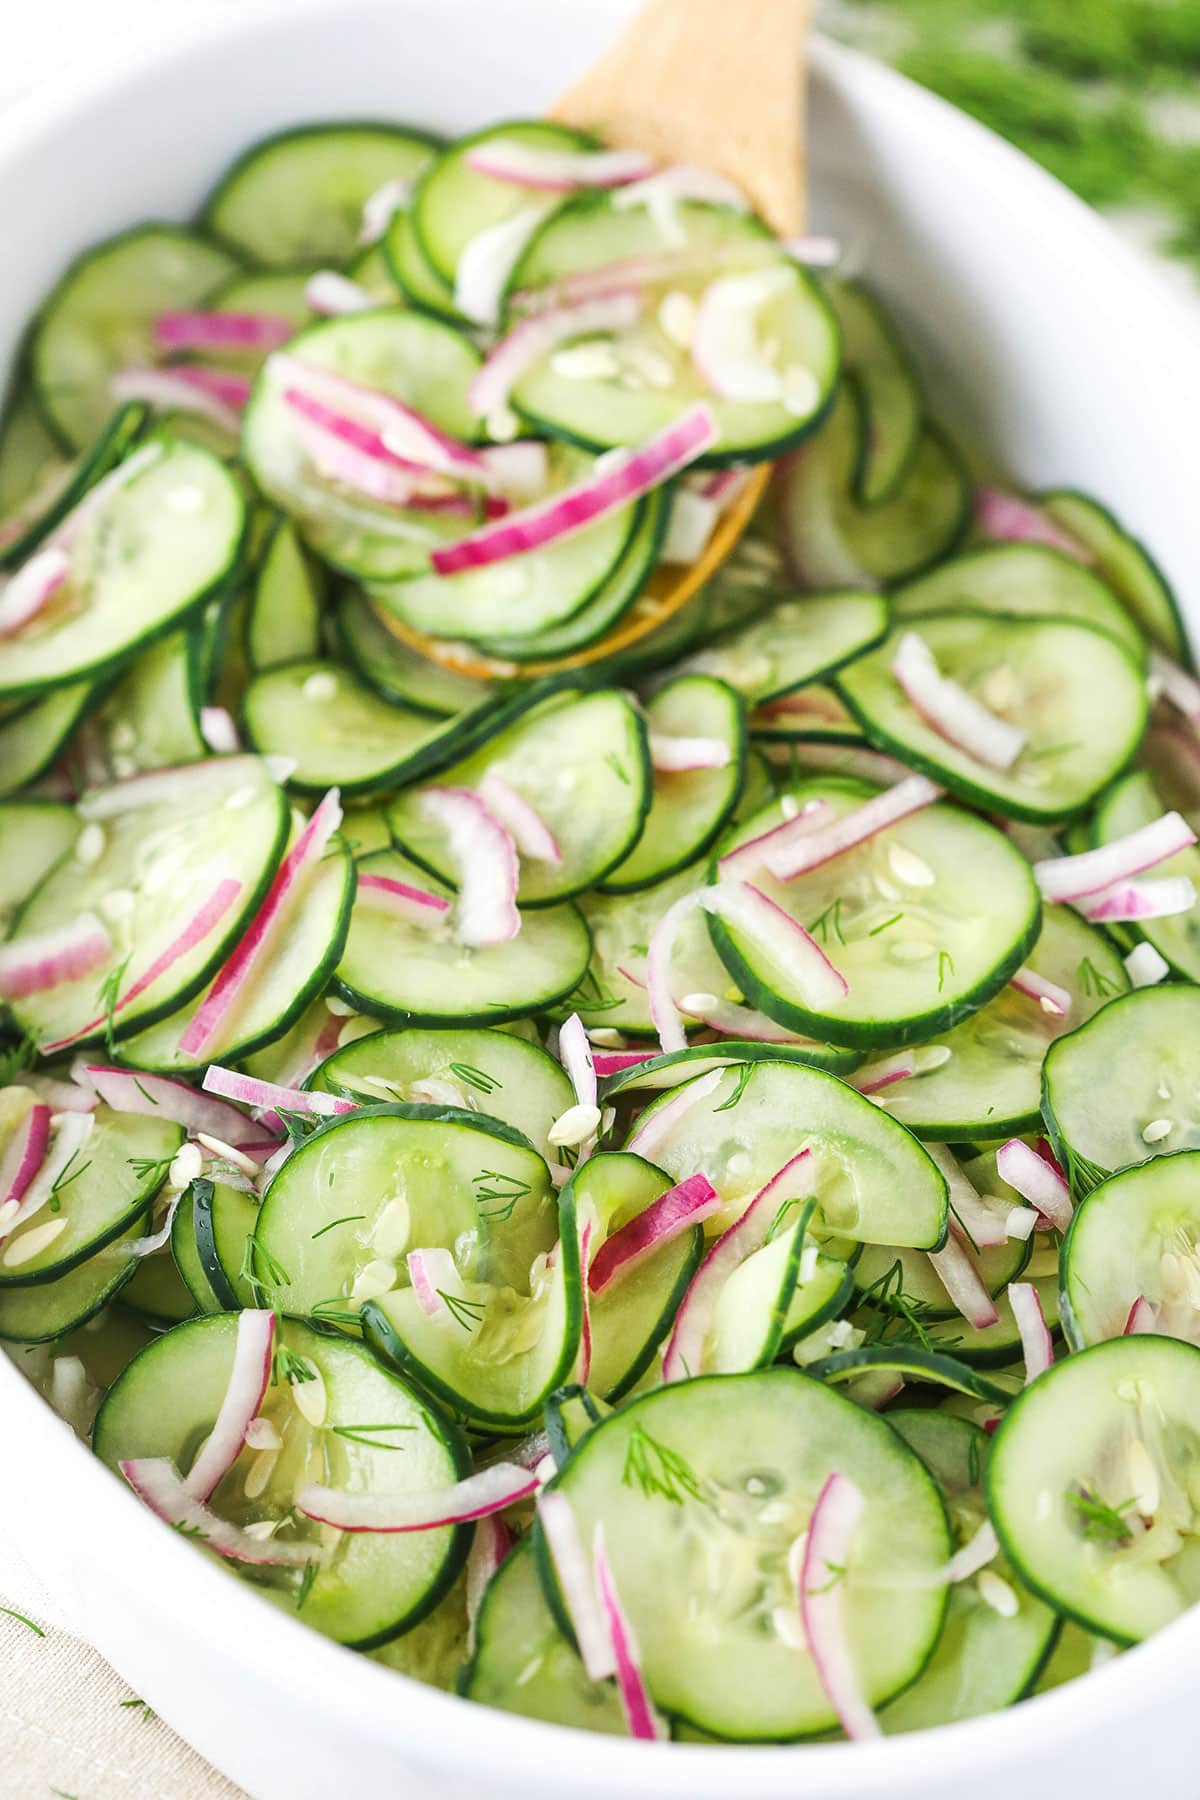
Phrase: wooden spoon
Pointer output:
(719, 84)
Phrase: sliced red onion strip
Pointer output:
(157, 1482)
(166, 1097)
(1052, 998)
(489, 1491)
(1093, 871)
(524, 824)
(684, 1356)
(249, 1379)
(219, 731)
(52, 959)
(1009, 519)
(388, 483)
(724, 341)
(663, 1013)
(689, 528)
(1143, 1317)
(782, 938)
(681, 1208)
(487, 261)
(654, 1128)
(334, 295)
(571, 510)
(490, 1545)
(1037, 1346)
(535, 337)
(521, 468)
(958, 1275)
(578, 1059)
(23, 1157)
(381, 207)
(749, 858)
(1036, 1181)
(485, 859)
(640, 1716)
(221, 331)
(986, 1226)
(66, 1140)
(416, 906)
(556, 171)
(950, 710)
(426, 1268)
(806, 849)
(1140, 900)
(157, 1240)
(68, 532)
(27, 592)
(615, 1062)
(976, 1554)
(677, 755)
(60, 1096)
(1175, 685)
(178, 390)
(1146, 966)
(408, 438)
(231, 1084)
(257, 944)
(882, 1074)
(827, 1551)
(724, 1016)
(576, 1585)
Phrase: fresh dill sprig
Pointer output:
(744, 1074)
(1092, 982)
(496, 1194)
(466, 1313)
(306, 1585)
(334, 1311)
(361, 1434)
(107, 996)
(11, 1613)
(885, 925)
(476, 1078)
(899, 1317)
(347, 1219)
(945, 967)
(1101, 1522)
(16, 1058)
(654, 1468)
(150, 1168)
(256, 1257)
(827, 921)
(287, 1366)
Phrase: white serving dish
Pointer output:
(1058, 353)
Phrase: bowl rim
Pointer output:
(224, 1616)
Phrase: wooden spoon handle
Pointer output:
(717, 83)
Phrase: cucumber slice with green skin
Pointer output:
(687, 809)
(813, 714)
(1076, 1652)
(892, 401)
(1130, 803)
(632, 1316)
(883, 1267)
(32, 739)
(570, 1414)
(298, 197)
(39, 1314)
(34, 835)
(581, 762)
(990, 1084)
(1103, 1086)
(453, 204)
(610, 602)
(366, 830)
(100, 318)
(283, 615)
(824, 1289)
(370, 270)
(155, 853)
(394, 670)
(1134, 1237)
(434, 1650)
(1107, 1426)
(209, 1284)
(794, 643)
(1056, 677)
(52, 496)
(984, 1660)
(108, 1184)
(307, 949)
(1019, 581)
(1124, 563)
(522, 1663)
(899, 917)
(914, 1362)
(34, 470)
(427, 366)
(834, 542)
(151, 718)
(418, 278)
(156, 550)
(758, 1448)
(995, 1346)
(157, 1292)
(489, 1072)
(405, 975)
(683, 1065)
(531, 593)
(874, 1183)
(653, 378)
(375, 1584)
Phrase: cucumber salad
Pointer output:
(600, 983)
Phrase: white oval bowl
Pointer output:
(1058, 354)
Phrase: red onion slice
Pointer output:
(52, 959)
(166, 1097)
(1037, 1346)
(1143, 1317)
(561, 515)
(27, 592)
(1035, 1180)
(249, 1379)
(556, 171)
(958, 1275)
(1146, 966)
(258, 942)
(486, 263)
(490, 1491)
(535, 337)
(231, 1084)
(1009, 519)
(381, 207)
(219, 731)
(654, 1128)
(987, 1227)
(663, 1014)
(335, 296)
(749, 859)
(426, 1269)
(221, 331)
(60, 1096)
(157, 1482)
(1052, 998)
(1176, 686)
(806, 849)
(576, 1585)
(680, 755)
(186, 388)
(681, 1208)
(976, 1554)
(577, 1058)
(640, 1716)
(524, 824)
(23, 1157)
(781, 937)
(1092, 871)
(827, 1552)
(950, 710)
(615, 1062)
(407, 437)
(485, 860)
(416, 906)
(684, 1356)
(67, 1138)
(1140, 900)
(724, 341)
(490, 1545)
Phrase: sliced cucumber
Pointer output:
(34, 835)
(757, 1450)
(581, 762)
(49, 1309)
(283, 615)
(394, 670)
(434, 1649)
(1134, 1238)
(100, 318)
(151, 718)
(813, 714)
(1131, 803)
(899, 917)
(155, 1294)
(913, 1362)
(35, 473)
(1089, 1484)
(155, 551)
(1047, 677)
(413, 270)
(405, 975)
(993, 1346)
(794, 643)
(33, 737)
(209, 1234)
(882, 1271)
(678, 1066)
(53, 494)
(298, 197)
(376, 1435)
(890, 390)
(1124, 563)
